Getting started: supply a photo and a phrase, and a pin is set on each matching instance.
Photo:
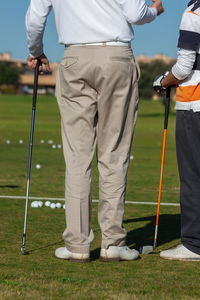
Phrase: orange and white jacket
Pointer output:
(187, 67)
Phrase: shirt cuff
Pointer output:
(154, 11)
(35, 54)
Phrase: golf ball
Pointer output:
(7, 141)
(42, 141)
(40, 203)
(53, 146)
(131, 157)
(59, 146)
(34, 204)
(20, 141)
(53, 205)
(50, 142)
(38, 166)
(64, 206)
(47, 203)
(58, 205)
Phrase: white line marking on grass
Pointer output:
(62, 199)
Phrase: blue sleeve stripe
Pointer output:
(196, 4)
(189, 40)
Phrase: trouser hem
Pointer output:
(109, 243)
(192, 248)
(78, 248)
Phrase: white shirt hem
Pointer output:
(193, 105)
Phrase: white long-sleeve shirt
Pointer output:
(86, 21)
(185, 62)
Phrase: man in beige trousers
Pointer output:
(97, 93)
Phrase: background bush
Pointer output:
(8, 74)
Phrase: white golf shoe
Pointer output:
(63, 253)
(180, 253)
(114, 253)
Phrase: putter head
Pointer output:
(146, 249)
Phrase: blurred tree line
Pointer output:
(9, 74)
(148, 72)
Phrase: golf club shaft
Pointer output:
(36, 73)
(167, 105)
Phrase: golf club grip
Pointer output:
(167, 105)
(35, 86)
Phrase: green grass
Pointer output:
(41, 276)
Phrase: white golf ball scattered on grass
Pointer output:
(53, 146)
(131, 157)
(21, 141)
(40, 203)
(53, 205)
(42, 141)
(59, 146)
(38, 166)
(47, 203)
(50, 142)
(35, 204)
(8, 142)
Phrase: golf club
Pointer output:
(35, 87)
(149, 249)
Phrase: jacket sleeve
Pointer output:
(137, 11)
(35, 24)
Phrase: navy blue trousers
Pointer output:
(188, 157)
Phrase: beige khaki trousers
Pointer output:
(97, 93)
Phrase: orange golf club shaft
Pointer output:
(160, 186)
(162, 164)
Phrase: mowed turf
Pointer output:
(39, 275)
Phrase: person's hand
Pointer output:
(158, 5)
(157, 83)
(32, 62)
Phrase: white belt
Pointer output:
(118, 43)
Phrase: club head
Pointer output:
(23, 251)
(146, 249)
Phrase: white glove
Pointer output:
(157, 82)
